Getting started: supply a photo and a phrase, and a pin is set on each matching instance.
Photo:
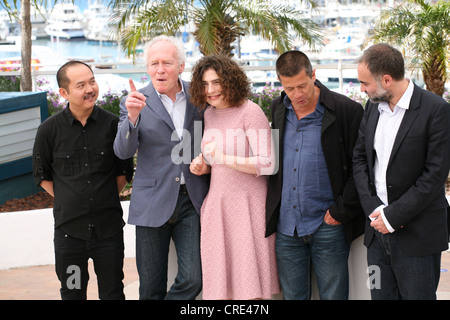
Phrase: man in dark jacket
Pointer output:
(401, 162)
(312, 202)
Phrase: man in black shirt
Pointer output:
(74, 161)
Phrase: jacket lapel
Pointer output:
(371, 126)
(408, 120)
(279, 117)
(190, 108)
(154, 103)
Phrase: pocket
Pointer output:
(66, 163)
(103, 160)
(144, 182)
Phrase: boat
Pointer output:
(4, 25)
(65, 22)
(38, 17)
(95, 22)
(10, 27)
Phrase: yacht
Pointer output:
(4, 25)
(10, 26)
(95, 22)
(65, 22)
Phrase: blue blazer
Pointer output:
(416, 174)
(161, 158)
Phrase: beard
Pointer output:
(381, 95)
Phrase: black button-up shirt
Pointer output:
(83, 167)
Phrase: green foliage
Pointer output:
(421, 29)
(9, 83)
(264, 98)
(111, 101)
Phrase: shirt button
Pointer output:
(177, 179)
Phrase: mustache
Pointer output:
(90, 95)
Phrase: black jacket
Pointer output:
(418, 167)
(340, 126)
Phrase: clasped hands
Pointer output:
(378, 222)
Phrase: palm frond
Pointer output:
(165, 17)
(279, 24)
(218, 22)
(422, 30)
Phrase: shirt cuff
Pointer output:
(137, 122)
(375, 210)
(386, 222)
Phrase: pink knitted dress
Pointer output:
(238, 262)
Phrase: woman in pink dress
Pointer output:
(238, 262)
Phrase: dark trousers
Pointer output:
(71, 264)
(152, 251)
(396, 276)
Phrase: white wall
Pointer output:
(26, 239)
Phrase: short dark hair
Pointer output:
(291, 63)
(234, 82)
(61, 76)
(381, 59)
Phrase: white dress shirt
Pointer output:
(385, 134)
(177, 112)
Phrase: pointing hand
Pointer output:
(135, 102)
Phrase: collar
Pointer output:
(94, 114)
(404, 101)
(182, 90)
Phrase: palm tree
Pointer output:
(422, 29)
(218, 23)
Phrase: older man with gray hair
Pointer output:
(158, 122)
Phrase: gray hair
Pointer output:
(175, 41)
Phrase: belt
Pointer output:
(183, 188)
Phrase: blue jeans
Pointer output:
(396, 276)
(152, 252)
(327, 250)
